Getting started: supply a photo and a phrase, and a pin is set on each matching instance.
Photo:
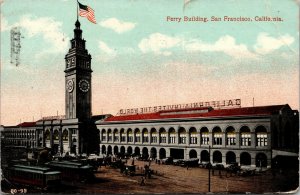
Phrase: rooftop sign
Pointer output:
(58, 117)
(233, 103)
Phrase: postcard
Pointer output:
(147, 97)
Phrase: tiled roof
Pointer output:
(184, 113)
(27, 124)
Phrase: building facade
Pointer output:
(247, 136)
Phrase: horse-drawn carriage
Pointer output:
(129, 170)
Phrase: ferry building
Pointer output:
(208, 131)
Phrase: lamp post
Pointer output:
(209, 166)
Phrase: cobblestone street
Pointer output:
(176, 179)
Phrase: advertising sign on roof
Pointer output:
(232, 103)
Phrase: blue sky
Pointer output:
(141, 59)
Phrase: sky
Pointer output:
(139, 58)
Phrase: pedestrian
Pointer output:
(142, 181)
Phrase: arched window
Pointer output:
(217, 133)
(145, 135)
(123, 135)
(55, 135)
(137, 135)
(65, 135)
(153, 136)
(116, 135)
(163, 135)
(47, 135)
(193, 136)
(261, 136)
(130, 135)
(245, 136)
(172, 136)
(109, 135)
(103, 135)
(182, 136)
(230, 133)
(204, 136)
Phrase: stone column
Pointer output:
(198, 139)
(43, 138)
(253, 162)
(134, 137)
(100, 136)
(269, 137)
(51, 138)
(113, 137)
(210, 139)
(224, 139)
(107, 136)
(237, 140)
(188, 138)
(223, 158)
(168, 138)
(177, 137)
(70, 139)
(168, 152)
(78, 141)
(253, 140)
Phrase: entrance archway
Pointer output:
(245, 158)
(129, 150)
(122, 150)
(137, 151)
(217, 157)
(230, 157)
(261, 160)
(103, 151)
(193, 154)
(109, 150)
(145, 154)
(116, 150)
(204, 156)
(162, 153)
(153, 153)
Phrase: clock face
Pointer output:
(72, 61)
(68, 63)
(84, 85)
(70, 85)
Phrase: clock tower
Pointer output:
(78, 75)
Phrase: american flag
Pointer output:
(86, 11)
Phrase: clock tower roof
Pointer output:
(77, 30)
(77, 24)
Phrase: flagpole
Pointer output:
(77, 10)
